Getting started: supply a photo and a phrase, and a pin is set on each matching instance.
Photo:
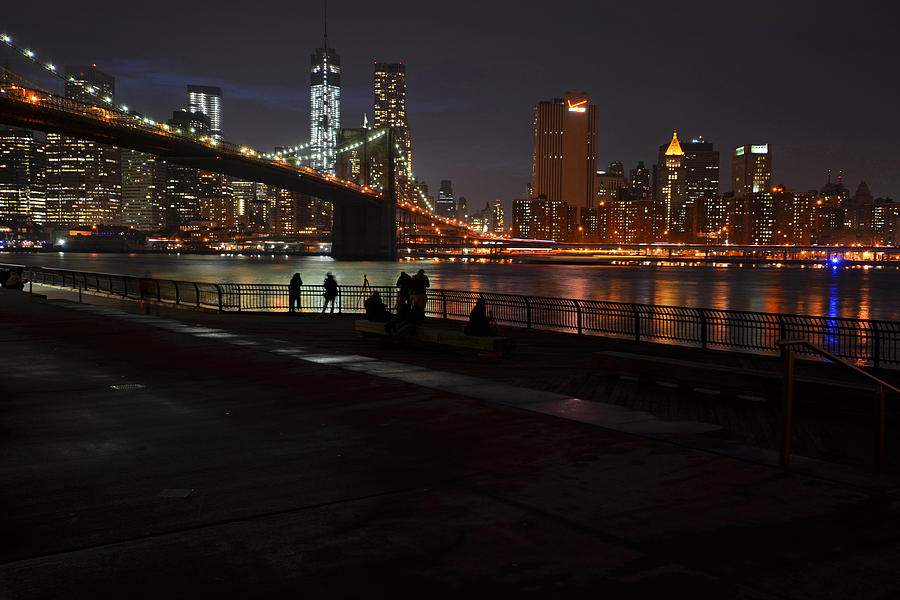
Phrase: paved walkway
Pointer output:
(188, 453)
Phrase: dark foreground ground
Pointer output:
(188, 454)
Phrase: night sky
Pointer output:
(818, 81)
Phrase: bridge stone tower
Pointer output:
(365, 230)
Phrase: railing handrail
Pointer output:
(835, 359)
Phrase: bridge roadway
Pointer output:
(187, 454)
(364, 222)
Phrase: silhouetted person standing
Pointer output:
(404, 285)
(419, 283)
(331, 292)
(376, 311)
(294, 289)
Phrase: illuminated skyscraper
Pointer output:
(639, 185)
(446, 207)
(564, 162)
(84, 179)
(207, 100)
(390, 107)
(143, 191)
(671, 200)
(22, 176)
(751, 169)
(701, 164)
(324, 107)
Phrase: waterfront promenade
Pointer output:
(194, 454)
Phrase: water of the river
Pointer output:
(859, 293)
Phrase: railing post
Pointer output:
(876, 346)
(787, 405)
(177, 295)
(30, 281)
(782, 331)
(879, 432)
(637, 323)
(527, 312)
(444, 303)
(219, 294)
(79, 293)
(197, 289)
(703, 334)
(577, 316)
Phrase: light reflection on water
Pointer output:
(861, 293)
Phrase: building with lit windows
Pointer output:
(324, 107)
(639, 182)
(84, 180)
(248, 196)
(190, 122)
(671, 188)
(390, 107)
(446, 207)
(207, 100)
(88, 84)
(143, 191)
(701, 165)
(22, 176)
(216, 200)
(751, 169)
(540, 219)
(498, 223)
(564, 160)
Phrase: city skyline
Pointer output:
(484, 149)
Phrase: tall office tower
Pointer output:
(446, 207)
(143, 191)
(751, 169)
(564, 161)
(207, 100)
(182, 196)
(701, 163)
(609, 215)
(672, 192)
(88, 84)
(216, 201)
(498, 223)
(22, 176)
(84, 180)
(247, 194)
(462, 209)
(390, 108)
(324, 106)
(639, 187)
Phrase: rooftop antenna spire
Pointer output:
(325, 29)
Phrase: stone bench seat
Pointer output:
(443, 337)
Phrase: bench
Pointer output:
(443, 337)
(691, 374)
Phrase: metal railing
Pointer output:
(861, 341)
(787, 398)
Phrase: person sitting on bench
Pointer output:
(376, 311)
(479, 322)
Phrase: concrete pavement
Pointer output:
(166, 455)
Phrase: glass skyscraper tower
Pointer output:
(324, 107)
(207, 100)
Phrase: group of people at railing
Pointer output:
(409, 309)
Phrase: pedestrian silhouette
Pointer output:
(331, 291)
(365, 282)
(479, 322)
(404, 285)
(294, 289)
(419, 283)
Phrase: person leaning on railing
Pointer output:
(294, 289)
